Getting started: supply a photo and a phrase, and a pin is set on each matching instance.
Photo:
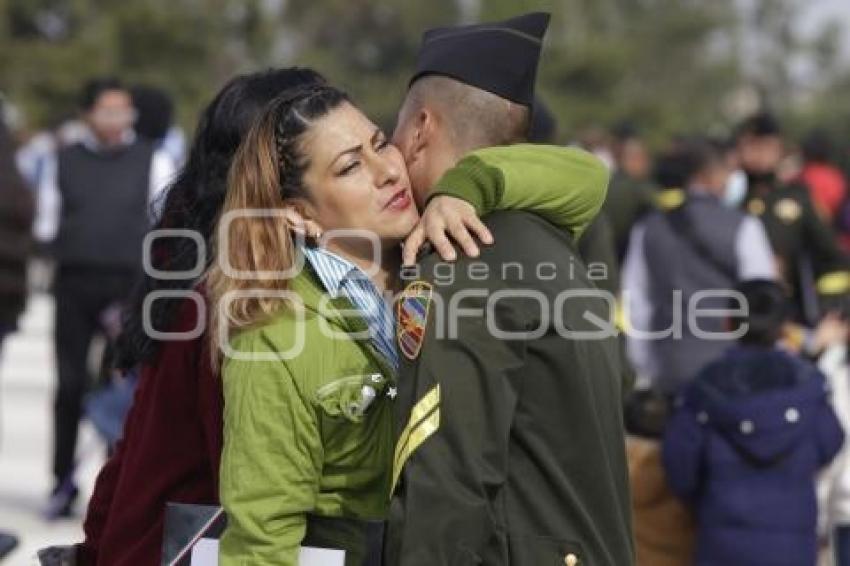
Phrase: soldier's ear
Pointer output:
(423, 129)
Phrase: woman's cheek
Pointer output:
(357, 200)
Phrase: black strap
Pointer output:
(681, 224)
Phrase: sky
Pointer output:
(820, 11)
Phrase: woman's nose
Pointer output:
(388, 172)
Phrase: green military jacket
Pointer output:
(510, 442)
(302, 442)
(305, 460)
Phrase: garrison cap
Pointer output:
(499, 57)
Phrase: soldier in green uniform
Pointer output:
(510, 439)
(808, 257)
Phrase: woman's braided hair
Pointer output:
(294, 111)
(194, 202)
(267, 175)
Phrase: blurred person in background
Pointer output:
(834, 483)
(806, 252)
(631, 191)
(16, 216)
(674, 254)
(104, 185)
(826, 183)
(597, 140)
(155, 121)
(746, 439)
(107, 406)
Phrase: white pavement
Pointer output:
(26, 394)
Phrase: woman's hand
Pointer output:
(446, 216)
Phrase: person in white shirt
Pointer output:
(95, 207)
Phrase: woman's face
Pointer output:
(356, 180)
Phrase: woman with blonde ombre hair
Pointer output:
(308, 434)
(309, 239)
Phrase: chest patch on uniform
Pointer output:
(412, 317)
(788, 210)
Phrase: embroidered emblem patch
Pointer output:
(412, 317)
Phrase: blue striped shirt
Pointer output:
(341, 277)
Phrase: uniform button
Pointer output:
(792, 415)
(747, 427)
(702, 417)
(571, 559)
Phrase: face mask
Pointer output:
(736, 189)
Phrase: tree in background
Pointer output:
(668, 66)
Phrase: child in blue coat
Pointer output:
(746, 440)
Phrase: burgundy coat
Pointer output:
(170, 452)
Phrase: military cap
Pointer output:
(499, 57)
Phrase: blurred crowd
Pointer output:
(758, 212)
(766, 215)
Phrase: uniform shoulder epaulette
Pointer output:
(669, 199)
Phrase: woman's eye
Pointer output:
(349, 168)
(383, 144)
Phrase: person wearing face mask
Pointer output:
(699, 245)
(809, 260)
(104, 184)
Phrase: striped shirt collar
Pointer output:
(341, 277)
(332, 269)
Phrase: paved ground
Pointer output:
(26, 385)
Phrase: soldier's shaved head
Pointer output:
(472, 118)
(443, 119)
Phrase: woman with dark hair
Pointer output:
(303, 330)
(172, 436)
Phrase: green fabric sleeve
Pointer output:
(564, 185)
(271, 460)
